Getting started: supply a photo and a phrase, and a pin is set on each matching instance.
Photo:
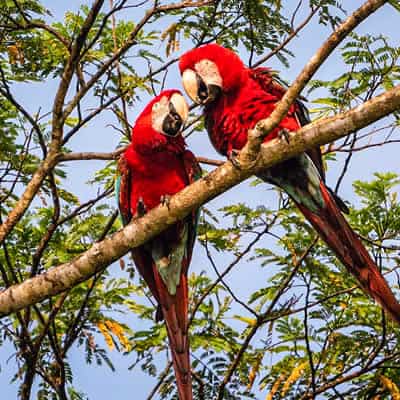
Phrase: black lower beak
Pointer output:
(208, 93)
(172, 124)
(214, 91)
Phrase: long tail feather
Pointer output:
(175, 312)
(336, 232)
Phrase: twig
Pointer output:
(261, 320)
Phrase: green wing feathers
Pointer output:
(122, 190)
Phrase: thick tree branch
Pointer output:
(263, 127)
(102, 254)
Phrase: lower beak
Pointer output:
(209, 95)
(172, 124)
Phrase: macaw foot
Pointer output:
(284, 134)
(141, 208)
(165, 200)
(232, 157)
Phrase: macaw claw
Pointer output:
(284, 134)
(141, 207)
(165, 200)
(232, 157)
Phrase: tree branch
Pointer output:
(292, 35)
(131, 41)
(103, 253)
(263, 127)
(57, 126)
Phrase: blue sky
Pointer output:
(99, 382)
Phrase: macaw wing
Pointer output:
(140, 255)
(181, 237)
(193, 171)
(271, 83)
(218, 140)
(123, 190)
(192, 167)
(174, 300)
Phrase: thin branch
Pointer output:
(307, 337)
(249, 153)
(91, 155)
(349, 377)
(57, 127)
(292, 35)
(131, 41)
(220, 277)
(161, 379)
(261, 320)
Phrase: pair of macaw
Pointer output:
(157, 165)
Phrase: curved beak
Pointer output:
(175, 119)
(197, 89)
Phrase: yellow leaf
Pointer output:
(296, 373)
(292, 250)
(391, 387)
(15, 54)
(172, 43)
(254, 370)
(118, 331)
(12, 54)
(107, 336)
(249, 321)
(275, 387)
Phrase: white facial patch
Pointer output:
(180, 106)
(158, 113)
(209, 72)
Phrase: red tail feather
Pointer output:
(336, 232)
(175, 311)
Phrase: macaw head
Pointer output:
(210, 70)
(161, 121)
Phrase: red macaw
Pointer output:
(155, 166)
(235, 99)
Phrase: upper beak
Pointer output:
(197, 89)
(177, 116)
